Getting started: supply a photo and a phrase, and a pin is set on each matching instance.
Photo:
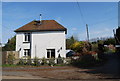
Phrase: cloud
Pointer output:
(74, 29)
(104, 32)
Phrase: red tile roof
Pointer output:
(46, 25)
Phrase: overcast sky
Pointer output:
(101, 17)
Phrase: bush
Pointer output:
(44, 61)
(60, 60)
(21, 62)
(28, 61)
(25, 61)
(84, 61)
(51, 62)
(36, 61)
(11, 58)
(94, 47)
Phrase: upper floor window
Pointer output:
(27, 37)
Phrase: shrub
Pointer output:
(21, 62)
(11, 58)
(51, 62)
(60, 60)
(28, 61)
(44, 61)
(25, 61)
(36, 61)
(84, 61)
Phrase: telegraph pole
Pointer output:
(87, 32)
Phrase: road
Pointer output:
(110, 70)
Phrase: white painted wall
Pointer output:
(20, 44)
(40, 41)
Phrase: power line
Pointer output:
(82, 17)
(103, 21)
(80, 12)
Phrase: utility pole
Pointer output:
(87, 32)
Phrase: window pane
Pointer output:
(52, 53)
(25, 37)
(24, 52)
(29, 52)
(28, 37)
(48, 54)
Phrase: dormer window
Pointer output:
(27, 37)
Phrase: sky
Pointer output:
(0, 21)
(119, 13)
(101, 17)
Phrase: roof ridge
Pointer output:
(45, 20)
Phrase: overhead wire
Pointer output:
(81, 12)
(82, 17)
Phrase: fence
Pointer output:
(7, 55)
(42, 61)
(12, 57)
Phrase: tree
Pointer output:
(109, 41)
(77, 46)
(10, 45)
(70, 41)
(81, 46)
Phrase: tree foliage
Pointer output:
(109, 41)
(10, 58)
(77, 46)
(69, 42)
(10, 45)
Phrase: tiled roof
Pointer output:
(46, 25)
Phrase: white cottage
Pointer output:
(40, 39)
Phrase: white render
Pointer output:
(40, 42)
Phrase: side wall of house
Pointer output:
(20, 45)
(41, 41)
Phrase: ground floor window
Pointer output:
(50, 53)
(27, 52)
